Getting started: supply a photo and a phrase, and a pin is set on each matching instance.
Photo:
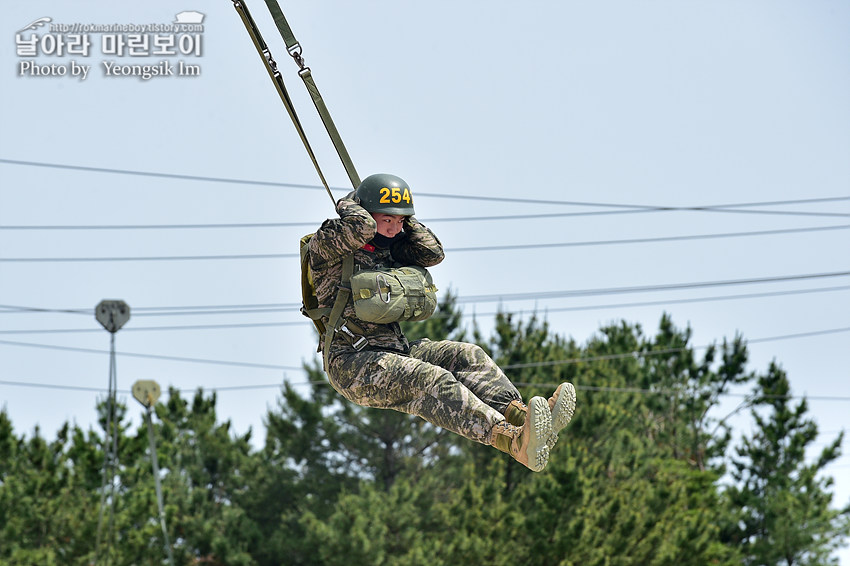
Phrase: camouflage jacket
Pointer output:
(353, 232)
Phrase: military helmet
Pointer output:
(385, 194)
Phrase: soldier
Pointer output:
(453, 385)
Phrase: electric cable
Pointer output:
(505, 297)
(259, 225)
(543, 311)
(256, 225)
(610, 357)
(648, 240)
(153, 356)
(165, 311)
(515, 366)
(419, 193)
(260, 386)
(240, 325)
(278, 184)
(689, 300)
(284, 307)
(543, 245)
(7, 309)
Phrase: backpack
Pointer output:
(309, 301)
(310, 304)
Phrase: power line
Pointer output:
(304, 186)
(647, 208)
(14, 309)
(158, 226)
(773, 203)
(57, 386)
(775, 212)
(591, 388)
(642, 289)
(205, 179)
(694, 300)
(512, 366)
(505, 217)
(649, 240)
(290, 307)
(295, 307)
(314, 224)
(166, 311)
(798, 335)
(611, 357)
(153, 356)
(544, 245)
(644, 391)
(146, 258)
(164, 328)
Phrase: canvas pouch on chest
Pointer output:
(393, 295)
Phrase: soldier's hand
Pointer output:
(352, 197)
(347, 202)
(410, 223)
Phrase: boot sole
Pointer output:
(562, 412)
(565, 407)
(540, 424)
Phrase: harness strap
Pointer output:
(294, 49)
(335, 321)
(277, 79)
(315, 314)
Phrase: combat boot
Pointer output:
(516, 412)
(526, 444)
(562, 403)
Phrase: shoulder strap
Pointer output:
(335, 320)
(277, 79)
(344, 292)
(294, 49)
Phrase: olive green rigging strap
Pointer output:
(277, 79)
(335, 316)
(294, 49)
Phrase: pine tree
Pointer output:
(621, 487)
(45, 508)
(783, 503)
(208, 473)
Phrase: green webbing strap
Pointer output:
(282, 25)
(317, 314)
(342, 296)
(277, 79)
(322, 108)
(294, 49)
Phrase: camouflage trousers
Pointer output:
(453, 385)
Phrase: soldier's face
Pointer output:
(389, 225)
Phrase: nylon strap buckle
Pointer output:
(358, 342)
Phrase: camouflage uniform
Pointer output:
(453, 385)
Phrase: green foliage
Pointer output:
(45, 508)
(421, 520)
(783, 504)
(639, 477)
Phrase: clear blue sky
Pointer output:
(669, 104)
